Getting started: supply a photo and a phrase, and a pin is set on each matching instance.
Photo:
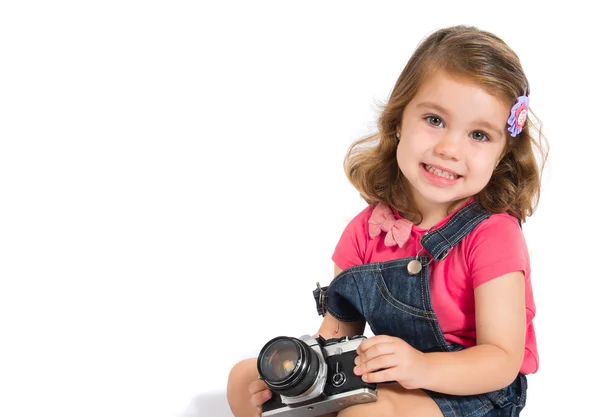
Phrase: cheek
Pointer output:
(399, 152)
(403, 156)
(416, 139)
(485, 167)
(484, 159)
(407, 146)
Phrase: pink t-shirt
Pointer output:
(494, 248)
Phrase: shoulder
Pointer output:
(496, 246)
(498, 227)
(497, 231)
(363, 216)
(359, 224)
(352, 245)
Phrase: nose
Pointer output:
(449, 146)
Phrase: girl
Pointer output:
(437, 264)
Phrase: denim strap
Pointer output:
(438, 242)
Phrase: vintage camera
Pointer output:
(310, 377)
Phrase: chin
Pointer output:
(440, 197)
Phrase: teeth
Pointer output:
(440, 173)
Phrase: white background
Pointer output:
(171, 188)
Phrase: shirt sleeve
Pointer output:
(351, 248)
(497, 248)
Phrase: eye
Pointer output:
(480, 136)
(435, 121)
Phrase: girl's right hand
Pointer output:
(259, 394)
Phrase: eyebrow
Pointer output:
(433, 106)
(443, 111)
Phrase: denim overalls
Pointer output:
(396, 303)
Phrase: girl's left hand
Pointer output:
(386, 358)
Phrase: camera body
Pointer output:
(310, 377)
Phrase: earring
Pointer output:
(398, 135)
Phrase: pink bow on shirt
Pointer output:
(383, 220)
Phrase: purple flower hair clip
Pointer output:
(518, 115)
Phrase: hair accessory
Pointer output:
(518, 115)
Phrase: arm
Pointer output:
(496, 359)
(332, 327)
(500, 320)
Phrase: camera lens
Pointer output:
(288, 366)
(280, 359)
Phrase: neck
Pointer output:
(433, 213)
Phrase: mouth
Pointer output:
(441, 173)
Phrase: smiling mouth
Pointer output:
(440, 173)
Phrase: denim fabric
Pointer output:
(506, 402)
(396, 303)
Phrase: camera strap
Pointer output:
(320, 295)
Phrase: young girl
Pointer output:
(436, 264)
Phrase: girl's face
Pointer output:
(452, 137)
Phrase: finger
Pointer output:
(258, 399)
(375, 364)
(256, 386)
(384, 375)
(371, 341)
(382, 348)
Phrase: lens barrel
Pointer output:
(288, 366)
